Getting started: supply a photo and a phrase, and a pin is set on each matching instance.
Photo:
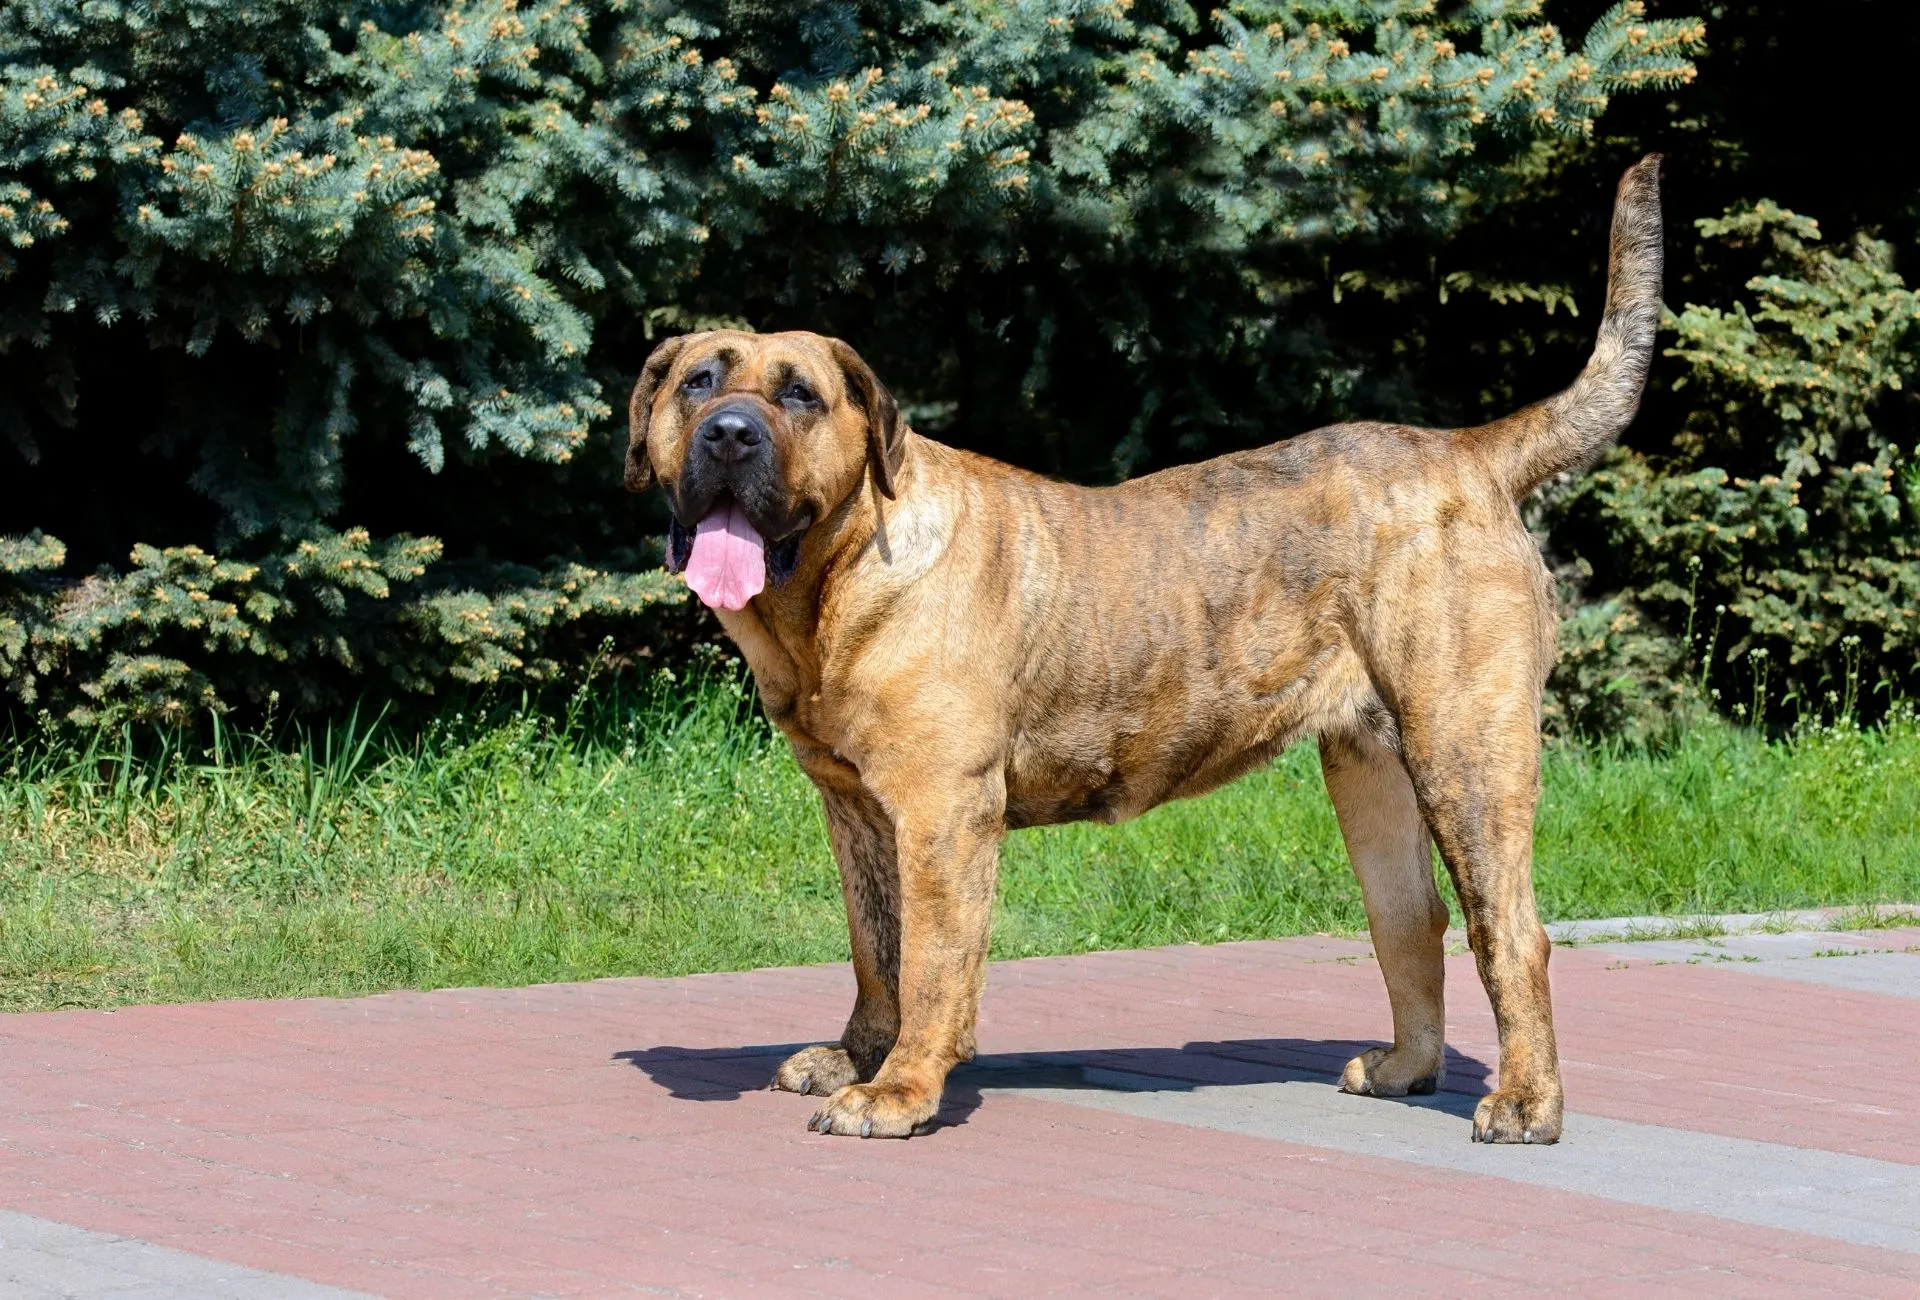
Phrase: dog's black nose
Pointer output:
(733, 433)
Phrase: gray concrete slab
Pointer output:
(1896, 974)
(1745, 948)
(1846, 1198)
(44, 1260)
(1893, 973)
(1629, 928)
(1837, 959)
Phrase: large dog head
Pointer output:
(755, 437)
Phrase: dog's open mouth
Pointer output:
(726, 560)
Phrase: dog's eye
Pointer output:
(698, 382)
(798, 392)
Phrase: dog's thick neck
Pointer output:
(777, 632)
(847, 532)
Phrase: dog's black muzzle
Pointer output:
(733, 454)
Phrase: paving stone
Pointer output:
(1159, 1122)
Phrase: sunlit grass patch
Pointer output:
(663, 829)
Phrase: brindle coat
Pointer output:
(963, 648)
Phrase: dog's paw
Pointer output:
(1517, 1115)
(875, 1110)
(1382, 1072)
(820, 1071)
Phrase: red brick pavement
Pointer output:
(587, 1139)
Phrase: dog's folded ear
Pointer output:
(640, 409)
(886, 436)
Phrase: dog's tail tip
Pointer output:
(1639, 189)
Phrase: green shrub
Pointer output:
(288, 626)
(1777, 538)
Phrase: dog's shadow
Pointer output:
(724, 1073)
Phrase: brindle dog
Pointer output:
(956, 648)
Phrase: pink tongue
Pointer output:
(728, 566)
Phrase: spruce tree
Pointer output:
(314, 319)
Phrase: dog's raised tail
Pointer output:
(1572, 428)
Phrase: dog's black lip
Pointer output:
(783, 557)
(679, 544)
(802, 522)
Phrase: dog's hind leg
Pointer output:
(863, 844)
(1474, 755)
(1391, 854)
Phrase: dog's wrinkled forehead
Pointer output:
(763, 363)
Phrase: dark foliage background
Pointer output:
(314, 320)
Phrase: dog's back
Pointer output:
(1167, 634)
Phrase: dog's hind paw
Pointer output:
(816, 1071)
(1380, 1072)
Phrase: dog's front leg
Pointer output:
(863, 844)
(947, 834)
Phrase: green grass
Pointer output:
(670, 832)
